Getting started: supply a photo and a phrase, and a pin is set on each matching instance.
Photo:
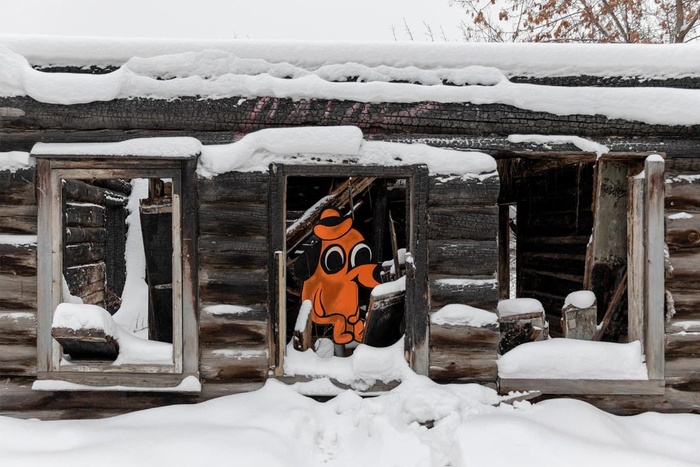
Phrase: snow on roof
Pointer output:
(367, 72)
(301, 146)
(521, 59)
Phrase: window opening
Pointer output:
(345, 236)
(116, 273)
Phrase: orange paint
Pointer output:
(333, 289)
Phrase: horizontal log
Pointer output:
(553, 262)
(574, 245)
(683, 345)
(554, 223)
(480, 292)
(232, 330)
(454, 364)
(229, 364)
(544, 280)
(85, 235)
(682, 193)
(450, 190)
(85, 274)
(469, 337)
(686, 303)
(116, 185)
(83, 253)
(89, 292)
(582, 386)
(18, 327)
(462, 223)
(18, 219)
(84, 215)
(247, 187)
(464, 257)
(21, 401)
(18, 359)
(234, 219)
(682, 232)
(17, 292)
(233, 285)
(80, 191)
(19, 260)
(247, 253)
(18, 187)
(682, 370)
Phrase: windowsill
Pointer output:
(131, 382)
(583, 386)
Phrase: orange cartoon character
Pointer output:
(333, 288)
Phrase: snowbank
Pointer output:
(463, 315)
(419, 423)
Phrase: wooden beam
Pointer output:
(655, 271)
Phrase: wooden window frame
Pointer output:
(50, 171)
(646, 290)
(417, 297)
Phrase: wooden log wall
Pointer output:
(92, 246)
(462, 262)
(233, 272)
(682, 206)
(17, 273)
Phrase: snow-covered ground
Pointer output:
(419, 423)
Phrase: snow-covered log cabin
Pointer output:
(181, 220)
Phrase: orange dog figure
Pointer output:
(345, 263)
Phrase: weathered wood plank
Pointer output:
(18, 260)
(18, 219)
(449, 191)
(240, 220)
(683, 345)
(84, 215)
(250, 187)
(240, 329)
(229, 364)
(682, 193)
(80, 191)
(17, 187)
(484, 338)
(480, 292)
(85, 274)
(18, 328)
(233, 285)
(220, 250)
(463, 223)
(79, 254)
(455, 364)
(686, 303)
(682, 229)
(18, 360)
(17, 292)
(463, 257)
(85, 235)
(582, 386)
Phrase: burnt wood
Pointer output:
(463, 223)
(462, 257)
(246, 187)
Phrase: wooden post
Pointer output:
(636, 258)
(281, 310)
(655, 280)
(504, 251)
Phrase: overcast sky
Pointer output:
(366, 20)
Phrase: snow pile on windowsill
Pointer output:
(464, 315)
(361, 370)
(574, 359)
(171, 147)
(132, 349)
(580, 299)
(188, 384)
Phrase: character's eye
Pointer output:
(333, 259)
(360, 254)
